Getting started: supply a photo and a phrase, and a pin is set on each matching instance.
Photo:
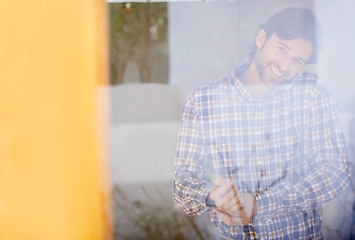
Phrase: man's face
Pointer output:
(280, 60)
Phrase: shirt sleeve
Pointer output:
(328, 171)
(189, 182)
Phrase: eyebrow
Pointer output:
(286, 46)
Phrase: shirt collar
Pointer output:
(242, 92)
(239, 89)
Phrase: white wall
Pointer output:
(337, 60)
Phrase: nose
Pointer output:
(285, 63)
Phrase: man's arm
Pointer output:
(190, 185)
(328, 172)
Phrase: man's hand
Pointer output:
(232, 208)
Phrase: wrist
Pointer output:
(209, 202)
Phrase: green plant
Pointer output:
(138, 35)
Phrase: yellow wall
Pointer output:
(54, 181)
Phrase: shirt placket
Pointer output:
(259, 146)
(261, 138)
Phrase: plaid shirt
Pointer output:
(287, 149)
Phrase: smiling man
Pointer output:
(262, 150)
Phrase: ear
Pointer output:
(260, 38)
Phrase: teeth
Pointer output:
(275, 71)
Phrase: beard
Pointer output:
(270, 73)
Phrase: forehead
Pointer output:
(298, 47)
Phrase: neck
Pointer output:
(252, 82)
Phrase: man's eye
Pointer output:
(282, 50)
(299, 62)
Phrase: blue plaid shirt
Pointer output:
(287, 149)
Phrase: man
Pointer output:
(262, 150)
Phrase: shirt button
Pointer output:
(269, 220)
(267, 137)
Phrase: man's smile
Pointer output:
(274, 70)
